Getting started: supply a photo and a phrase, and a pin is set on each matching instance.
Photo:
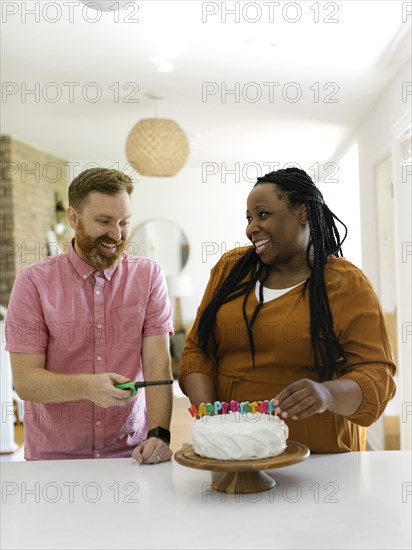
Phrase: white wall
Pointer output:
(374, 138)
(402, 161)
(341, 194)
(375, 141)
(212, 215)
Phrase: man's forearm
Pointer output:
(159, 401)
(156, 366)
(34, 383)
(42, 386)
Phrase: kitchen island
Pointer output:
(345, 501)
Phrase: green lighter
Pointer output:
(136, 385)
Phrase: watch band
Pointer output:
(160, 433)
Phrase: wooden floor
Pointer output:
(392, 430)
(181, 426)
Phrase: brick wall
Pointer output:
(8, 258)
(30, 181)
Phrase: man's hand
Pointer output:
(99, 388)
(152, 451)
(302, 399)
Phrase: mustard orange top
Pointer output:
(284, 351)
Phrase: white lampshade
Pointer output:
(179, 285)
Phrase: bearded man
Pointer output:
(83, 322)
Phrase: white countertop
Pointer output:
(351, 500)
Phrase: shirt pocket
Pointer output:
(127, 324)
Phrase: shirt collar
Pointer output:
(85, 270)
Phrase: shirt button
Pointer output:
(98, 292)
(84, 276)
(99, 325)
(99, 358)
(109, 278)
(98, 423)
(97, 455)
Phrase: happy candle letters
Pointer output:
(222, 407)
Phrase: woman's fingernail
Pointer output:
(284, 415)
(294, 417)
(275, 401)
(278, 410)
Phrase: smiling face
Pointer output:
(102, 228)
(280, 234)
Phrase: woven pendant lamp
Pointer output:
(157, 147)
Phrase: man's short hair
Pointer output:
(102, 180)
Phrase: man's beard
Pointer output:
(96, 255)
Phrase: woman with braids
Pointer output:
(289, 318)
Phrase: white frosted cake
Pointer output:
(238, 436)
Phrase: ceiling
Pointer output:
(304, 74)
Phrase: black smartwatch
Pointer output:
(160, 433)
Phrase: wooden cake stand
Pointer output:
(242, 476)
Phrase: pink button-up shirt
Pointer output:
(87, 321)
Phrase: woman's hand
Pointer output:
(302, 399)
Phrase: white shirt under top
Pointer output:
(272, 293)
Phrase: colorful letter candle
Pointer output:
(193, 411)
(259, 407)
(234, 406)
(265, 407)
(244, 407)
(225, 407)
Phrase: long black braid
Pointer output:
(297, 188)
